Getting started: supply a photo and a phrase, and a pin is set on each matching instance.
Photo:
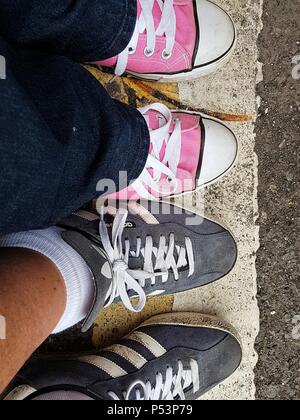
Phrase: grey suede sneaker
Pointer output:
(135, 252)
(170, 356)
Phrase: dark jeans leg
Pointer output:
(60, 133)
(84, 30)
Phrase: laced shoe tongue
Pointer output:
(156, 12)
(185, 15)
(135, 263)
(132, 230)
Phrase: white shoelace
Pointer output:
(144, 23)
(159, 167)
(125, 279)
(174, 385)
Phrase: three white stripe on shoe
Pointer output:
(132, 356)
(111, 368)
(129, 354)
(149, 342)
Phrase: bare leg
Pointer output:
(32, 301)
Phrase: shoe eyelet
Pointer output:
(131, 50)
(148, 53)
(165, 55)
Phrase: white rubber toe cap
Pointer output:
(219, 154)
(216, 33)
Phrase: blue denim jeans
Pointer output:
(60, 132)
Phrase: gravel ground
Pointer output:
(278, 149)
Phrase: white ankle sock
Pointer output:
(74, 270)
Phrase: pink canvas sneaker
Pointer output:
(187, 152)
(176, 40)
